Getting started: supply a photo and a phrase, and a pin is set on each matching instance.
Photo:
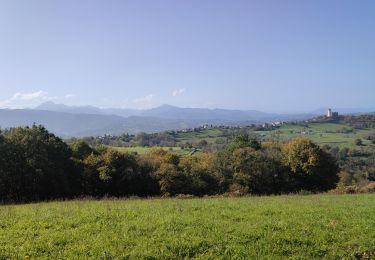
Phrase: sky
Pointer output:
(268, 55)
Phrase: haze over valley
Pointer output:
(78, 121)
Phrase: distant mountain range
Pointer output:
(78, 121)
(173, 112)
(78, 125)
(164, 111)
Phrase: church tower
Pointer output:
(329, 112)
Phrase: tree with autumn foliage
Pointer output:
(311, 168)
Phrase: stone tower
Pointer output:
(329, 112)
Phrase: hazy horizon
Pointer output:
(318, 110)
(285, 57)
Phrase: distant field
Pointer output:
(210, 135)
(321, 133)
(143, 150)
(299, 227)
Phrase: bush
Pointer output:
(354, 189)
(369, 188)
(358, 142)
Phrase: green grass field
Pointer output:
(299, 227)
(321, 133)
(210, 135)
(327, 133)
(143, 150)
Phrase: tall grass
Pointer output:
(300, 227)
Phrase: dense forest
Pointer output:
(37, 165)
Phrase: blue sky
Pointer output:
(279, 56)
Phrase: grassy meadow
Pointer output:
(321, 133)
(210, 135)
(299, 227)
(143, 150)
(325, 133)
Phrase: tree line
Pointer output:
(36, 165)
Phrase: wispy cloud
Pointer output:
(69, 96)
(22, 100)
(29, 96)
(178, 92)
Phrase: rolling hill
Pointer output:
(204, 115)
(78, 121)
(78, 125)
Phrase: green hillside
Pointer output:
(143, 150)
(333, 134)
